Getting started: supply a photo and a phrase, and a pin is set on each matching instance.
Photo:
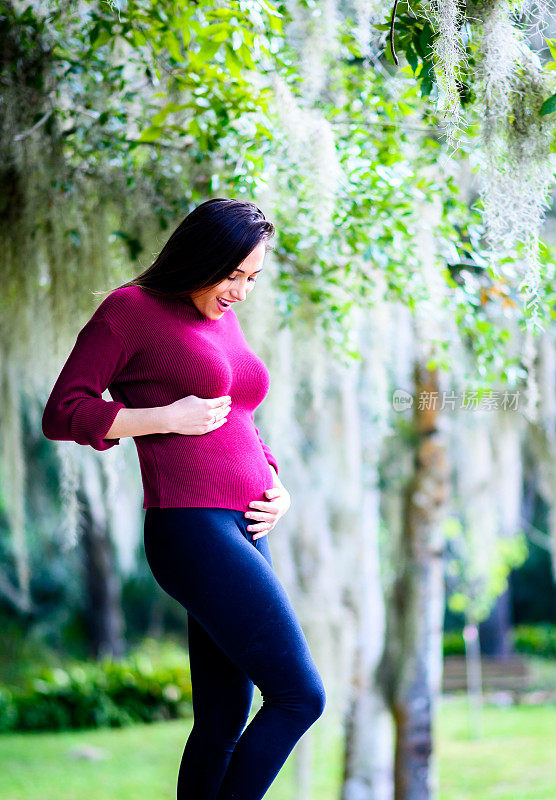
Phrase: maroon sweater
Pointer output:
(150, 351)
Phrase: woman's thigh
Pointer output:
(205, 559)
(222, 692)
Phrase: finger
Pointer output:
(258, 536)
(220, 413)
(264, 508)
(261, 531)
(215, 402)
(259, 526)
(254, 525)
(252, 514)
(219, 423)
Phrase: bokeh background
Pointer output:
(406, 314)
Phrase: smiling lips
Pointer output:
(224, 303)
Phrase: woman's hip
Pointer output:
(197, 531)
(207, 553)
(205, 559)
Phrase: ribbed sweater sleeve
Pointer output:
(75, 409)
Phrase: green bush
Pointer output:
(538, 640)
(8, 713)
(453, 644)
(107, 693)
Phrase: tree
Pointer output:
(376, 240)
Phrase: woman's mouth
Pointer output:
(222, 304)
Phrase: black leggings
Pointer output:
(243, 632)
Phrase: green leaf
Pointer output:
(388, 52)
(233, 63)
(103, 37)
(217, 31)
(412, 59)
(245, 54)
(417, 42)
(168, 109)
(171, 43)
(548, 106)
(273, 12)
(275, 22)
(151, 134)
(426, 39)
(138, 38)
(552, 47)
(220, 13)
(186, 35)
(209, 49)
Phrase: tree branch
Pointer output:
(391, 35)
(15, 597)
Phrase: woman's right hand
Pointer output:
(194, 415)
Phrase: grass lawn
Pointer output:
(513, 760)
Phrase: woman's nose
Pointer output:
(239, 294)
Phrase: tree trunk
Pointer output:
(413, 662)
(474, 676)
(369, 735)
(369, 732)
(494, 632)
(102, 579)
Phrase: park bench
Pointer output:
(510, 674)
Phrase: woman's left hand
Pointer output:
(268, 512)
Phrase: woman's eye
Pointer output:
(232, 278)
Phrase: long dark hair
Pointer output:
(206, 247)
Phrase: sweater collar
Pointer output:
(191, 312)
(188, 310)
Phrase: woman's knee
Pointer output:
(223, 729)
(306, 698)
(225, 717)
(315, 697)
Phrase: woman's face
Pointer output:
(233, 289)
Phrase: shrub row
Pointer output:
(150, 686)
(539, 640)
(107, 693)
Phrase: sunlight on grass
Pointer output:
(513, 760)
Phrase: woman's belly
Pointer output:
(224, 468)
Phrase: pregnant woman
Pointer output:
(169, 348)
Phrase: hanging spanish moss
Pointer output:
(487, 74)
(499, 46)
(313, 31)
(367, 14)
(308, 135)
(69, 485)
(310, 142)
(58, 220)
(517, 174)
(450, 60)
